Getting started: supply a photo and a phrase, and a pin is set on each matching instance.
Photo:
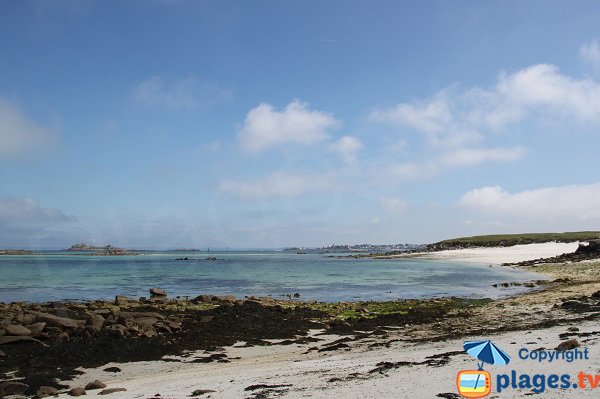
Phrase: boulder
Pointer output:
(568, 345)
(118, 330)
(12, 388)
(95, 385)
(24, 318)
(15, 329)
(111, 390)
(77, 391)
(46, 391)
(123, 300)
(56, 321)
(37, 327)
(154, 292)
(95, 320)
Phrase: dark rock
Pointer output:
(15, 329)
(596, 295)
(111, 390)
(95, 385)
(118, 330)
(46, 391)
(77, 391)
(199, 392)
(575, 305)
(568, 345)
(12, 388)
(202, 298)
(296, 295)
(154, 292)
(112, 370)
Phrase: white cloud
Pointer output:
(15, 210)
(456, 158)
(394, 204)
(576, 201)
(590, 52)
(278, 184)
(348, 147)
(457, 117)
(178, 94)
(474, 156)
(20, 135)
(266, 127)
(429, 116)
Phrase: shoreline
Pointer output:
(358, 349)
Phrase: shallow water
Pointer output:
(59, 276)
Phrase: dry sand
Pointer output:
(512, 323)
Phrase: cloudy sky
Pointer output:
(173, 123)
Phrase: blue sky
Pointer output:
(180, 123)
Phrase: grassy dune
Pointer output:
(507, 240)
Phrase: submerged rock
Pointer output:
(154, 292)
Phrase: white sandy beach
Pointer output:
(499, 255)
(346, 373)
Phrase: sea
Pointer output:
(55, 276)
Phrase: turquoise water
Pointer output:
(81, 277)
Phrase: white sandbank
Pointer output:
(499, 255)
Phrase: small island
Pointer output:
(107, 250)
(15, 252)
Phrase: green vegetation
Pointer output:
(508, 240)
(354, 310)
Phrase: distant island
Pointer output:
(15, 252)
(107, 250)
(367, 248)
